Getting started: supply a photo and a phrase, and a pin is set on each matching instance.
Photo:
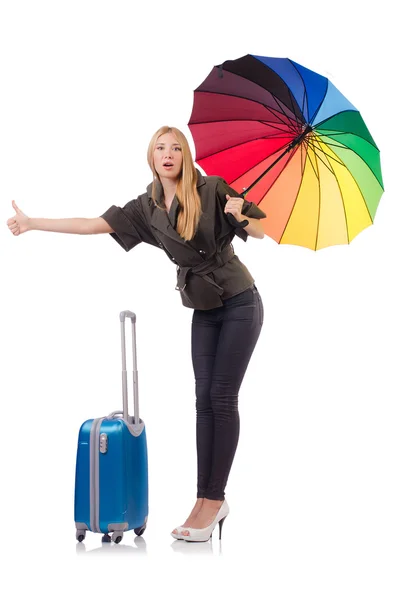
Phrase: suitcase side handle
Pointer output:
(132, 316)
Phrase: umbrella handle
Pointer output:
(233, 221)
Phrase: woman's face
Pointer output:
(168, 151)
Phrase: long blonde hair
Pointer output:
(186, 190)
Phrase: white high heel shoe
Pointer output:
(203, 535)
(178, 535)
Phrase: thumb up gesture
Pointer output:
(19, 223)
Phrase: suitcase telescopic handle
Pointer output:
(132, 316)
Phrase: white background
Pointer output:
(312, 490)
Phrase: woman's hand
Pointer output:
(19, 223)
(234, 206)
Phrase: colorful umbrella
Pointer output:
(285, 138)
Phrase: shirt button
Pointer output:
(202, 251)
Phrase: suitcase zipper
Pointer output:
(94, 475)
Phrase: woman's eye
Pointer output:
(162, 148)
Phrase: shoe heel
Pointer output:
(220, 527)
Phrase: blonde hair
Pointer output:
(186, 190)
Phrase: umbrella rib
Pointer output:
(331, 132)
(319, 201)
(266, 170)
(320, 105)
(314, 148)
(292, 123)
(276, 179)
(277, 129)
(258, 179)
(310, 160)
(231, 120)
(319, 157)
(344, 147)
(285, 115)
(288, 149)
(318, 126)
(275, 112)
(293, 206)
(304, 99)
(341, 196)
(305, 96)
(302, 162)
(340, 162)
(334, 134)
(343, 203)
(337, 145)
(292, 97)
(318, 150)
(268, 123)
(241, 144)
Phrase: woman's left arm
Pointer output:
(254, 227)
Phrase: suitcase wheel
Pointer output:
(80, 535)
(117, 536)
(106, 538)
(141, 529)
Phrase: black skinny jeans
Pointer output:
(223, 340)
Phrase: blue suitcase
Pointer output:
(111, 489)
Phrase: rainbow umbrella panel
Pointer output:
(285, 138)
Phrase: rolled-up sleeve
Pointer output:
(249, 209)
(129, 225)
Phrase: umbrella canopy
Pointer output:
(285, 138)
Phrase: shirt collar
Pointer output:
(158, 191)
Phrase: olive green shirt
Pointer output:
(208, 271)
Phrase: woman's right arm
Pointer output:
(77, 225)
(21, 223)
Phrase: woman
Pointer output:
(186, 215)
